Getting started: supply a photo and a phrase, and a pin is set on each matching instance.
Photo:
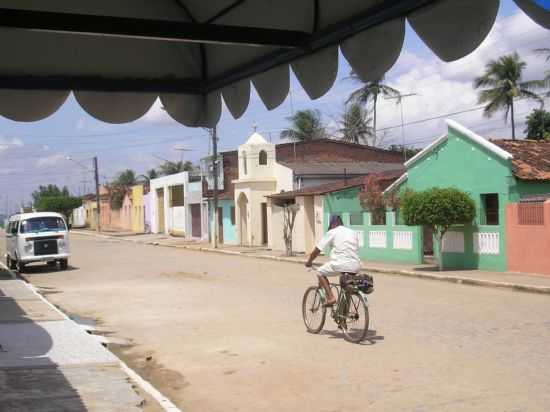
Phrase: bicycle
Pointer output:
(350, 312)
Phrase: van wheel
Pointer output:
(52, 263)
(64, 264)
(13, 264)
(20, 266)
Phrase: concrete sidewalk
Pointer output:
(532, 283)
(49, 363)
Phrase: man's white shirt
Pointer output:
(344, 245)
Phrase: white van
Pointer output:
(37, 237)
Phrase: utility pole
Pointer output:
(214, 135)
(400, 102)
(96, 176)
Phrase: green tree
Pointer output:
(126, 178)
(305, 125)
(502, 83)
(59, 204)
(171, 168)
(120, 186)
(370, 92)
(355, 125)
(538, 125)
(152, 174)
(48, 191)
(148, 176)
(439, 209)
(409, 151)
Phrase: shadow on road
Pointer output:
(29, 379)
(39, 269)
(371, 339)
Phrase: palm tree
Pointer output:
(370, 91)
(305, 125)
(501, 84)
(152, 174)
(355, 125)
(126, 178)
(148, 176)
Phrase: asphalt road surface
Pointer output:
(225, 333)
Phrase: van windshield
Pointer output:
(42, 224)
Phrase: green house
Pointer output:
(493, 173)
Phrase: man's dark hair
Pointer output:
(335, 221)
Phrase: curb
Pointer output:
(147, 387)
(544, 290)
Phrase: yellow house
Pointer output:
(90, 213)
(138, 209)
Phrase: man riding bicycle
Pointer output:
(344, 257)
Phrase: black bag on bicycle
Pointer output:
(361, 282)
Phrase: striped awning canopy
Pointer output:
(119, 56)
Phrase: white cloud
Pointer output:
(447, 87)
(52, 160)
(81, 124)
(10, 171)
(7, 143)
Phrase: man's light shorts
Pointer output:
(329, 269)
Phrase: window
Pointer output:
(490, 208)
(176, 196)
(245, 166)
(42, 224)
(233, 219)
(263, 157)
(356, 219)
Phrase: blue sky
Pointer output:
(35, 153)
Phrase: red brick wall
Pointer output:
(326, 150)
(230, 173)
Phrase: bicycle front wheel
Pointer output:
(356, 323)
(313, 312)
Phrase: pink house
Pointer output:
(125, 222)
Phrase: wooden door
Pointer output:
(196, 223)
(160, 195)
(264, 223)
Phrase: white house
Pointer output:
(79, 217)
(259, 176)
(175, 204)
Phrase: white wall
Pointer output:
(285, 178)
(177, 219)
(79, 217)
(319, 216)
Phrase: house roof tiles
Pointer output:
(313, 167)
(385, 179)
(531, 159)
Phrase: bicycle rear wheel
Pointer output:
(313, 312)
(356, 325)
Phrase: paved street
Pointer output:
(224, 333)
(48, 363)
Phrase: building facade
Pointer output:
(259, 169)
(176, 206)
(138, 209)
(494, 173)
